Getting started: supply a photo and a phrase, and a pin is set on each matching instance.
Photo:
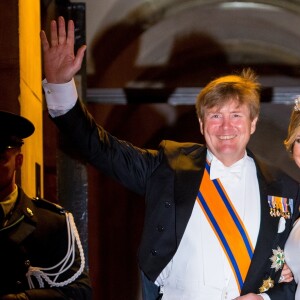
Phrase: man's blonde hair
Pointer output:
(243, 88)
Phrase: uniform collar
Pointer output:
(8, 203)
(23, 220)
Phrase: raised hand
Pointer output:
(59, 62)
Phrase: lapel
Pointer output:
(267, 236)
(189, 168)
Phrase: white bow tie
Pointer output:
(218, 170)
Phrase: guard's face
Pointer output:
(296, 151)
(227, 131)
(10, 161)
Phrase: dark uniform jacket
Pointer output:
(36, 235)
(169, 179)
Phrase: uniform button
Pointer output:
(27, 263)
(29, 211)
(167, 204)
(154, 252)
(160, 228)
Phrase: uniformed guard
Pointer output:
(40, 249)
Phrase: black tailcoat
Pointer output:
(169, 179)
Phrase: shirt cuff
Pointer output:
(60, 98)
(265, 296)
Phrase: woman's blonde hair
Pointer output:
(293, 131)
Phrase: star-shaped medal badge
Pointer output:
(277, 259)
(267, 284)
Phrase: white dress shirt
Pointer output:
(200, 270)
(60, 98)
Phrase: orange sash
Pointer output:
(227, 225)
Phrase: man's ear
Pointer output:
(253, 125)
(19, 160)
(201, 126)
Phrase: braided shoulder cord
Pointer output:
(63, 265)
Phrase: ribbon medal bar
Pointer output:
(280, 207)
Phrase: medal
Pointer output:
(277, 259)
(267, 284)
(280, 207)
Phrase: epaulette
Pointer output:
(48, 205)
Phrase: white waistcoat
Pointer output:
(199, 270)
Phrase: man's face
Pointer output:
(10, 161)
(227, 130)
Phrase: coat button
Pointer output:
(27, 263)
(160, 228)
(167, 204)
(154, 252)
